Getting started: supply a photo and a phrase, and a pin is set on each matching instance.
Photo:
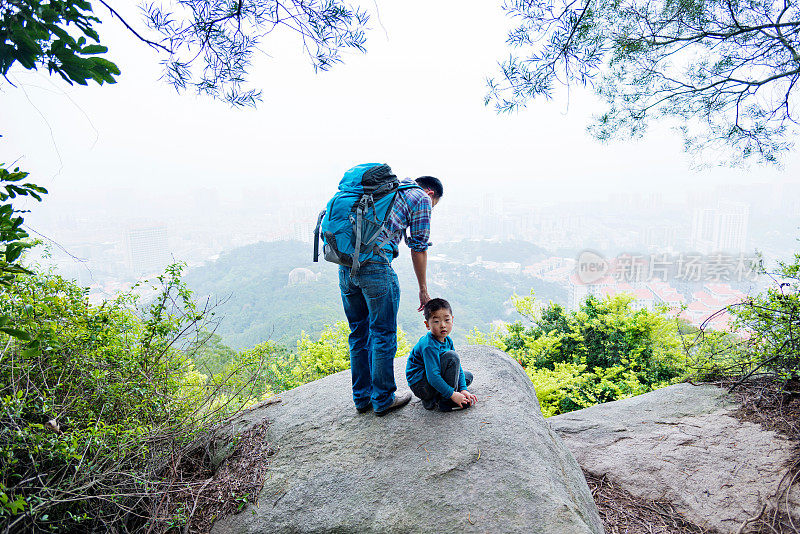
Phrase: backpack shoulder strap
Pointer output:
(389, 236)
(409, 185)
(316, 235)
(357, 249)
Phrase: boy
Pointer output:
(434, 370)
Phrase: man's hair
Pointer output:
(435, 305)
(432, 183)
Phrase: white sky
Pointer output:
(415, 101)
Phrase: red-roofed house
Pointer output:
(666, 294)
(719, 290)
(697, 312)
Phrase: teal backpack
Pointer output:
(352, 221)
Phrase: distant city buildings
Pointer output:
(507, 267)
(148, 249)
(552, 269)
(116, 239)
(705, 306)
(304, 231)
(720, 228)
(661, 237)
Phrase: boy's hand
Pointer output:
(459, 399)
(472, 399)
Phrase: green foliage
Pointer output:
(277, 368)
(13, 239)
(250, 375)
(279, 363)
(765, 336)
(314, 359)
(12, 235)
(209, 353)
(772, 321)
(257, 302)
(714, 355)
(90, 407)
(329, 354)
(36, 33)
(208, 45)
(604, 351)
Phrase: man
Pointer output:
(371, 299)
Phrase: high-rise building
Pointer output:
(733, 219)
(720, 228)
(660, 237)
(303, 231)
(148, 249)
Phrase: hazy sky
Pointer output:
(415, 101)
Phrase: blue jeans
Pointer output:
(371, 299)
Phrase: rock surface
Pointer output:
(496, 467)
(681, 444)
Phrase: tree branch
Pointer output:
(150, 43)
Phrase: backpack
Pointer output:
(353, 219)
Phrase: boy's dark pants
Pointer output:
(450, 366)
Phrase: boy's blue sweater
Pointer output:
(425, 360)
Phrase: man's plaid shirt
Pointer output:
(412, 210)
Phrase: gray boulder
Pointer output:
(496, 467)
(682, 444)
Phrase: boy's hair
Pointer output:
(435, 305)
(432, 183)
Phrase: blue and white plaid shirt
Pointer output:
(412, 210)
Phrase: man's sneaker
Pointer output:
(400, 400)
(364, 409)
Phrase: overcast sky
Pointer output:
(415, 101)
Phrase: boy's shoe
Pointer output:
(429, 404)
(446, 405)
(400, 400)
(364, 409)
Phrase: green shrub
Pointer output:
(604, 351)
(313, 359)
(94, 405)
(765, 335)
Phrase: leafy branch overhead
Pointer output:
(727, 70)
(56, 35)
(207, 45)
(211, 43)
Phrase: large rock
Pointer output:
(682, 444)
(496, 467)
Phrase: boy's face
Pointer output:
(440, 323)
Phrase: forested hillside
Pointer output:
(257, 302)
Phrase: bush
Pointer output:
(604, 351)
(93, 407)
(764, 341)
(313, 359)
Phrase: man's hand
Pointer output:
(459, 399)
(423, 298)
(420, 261)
